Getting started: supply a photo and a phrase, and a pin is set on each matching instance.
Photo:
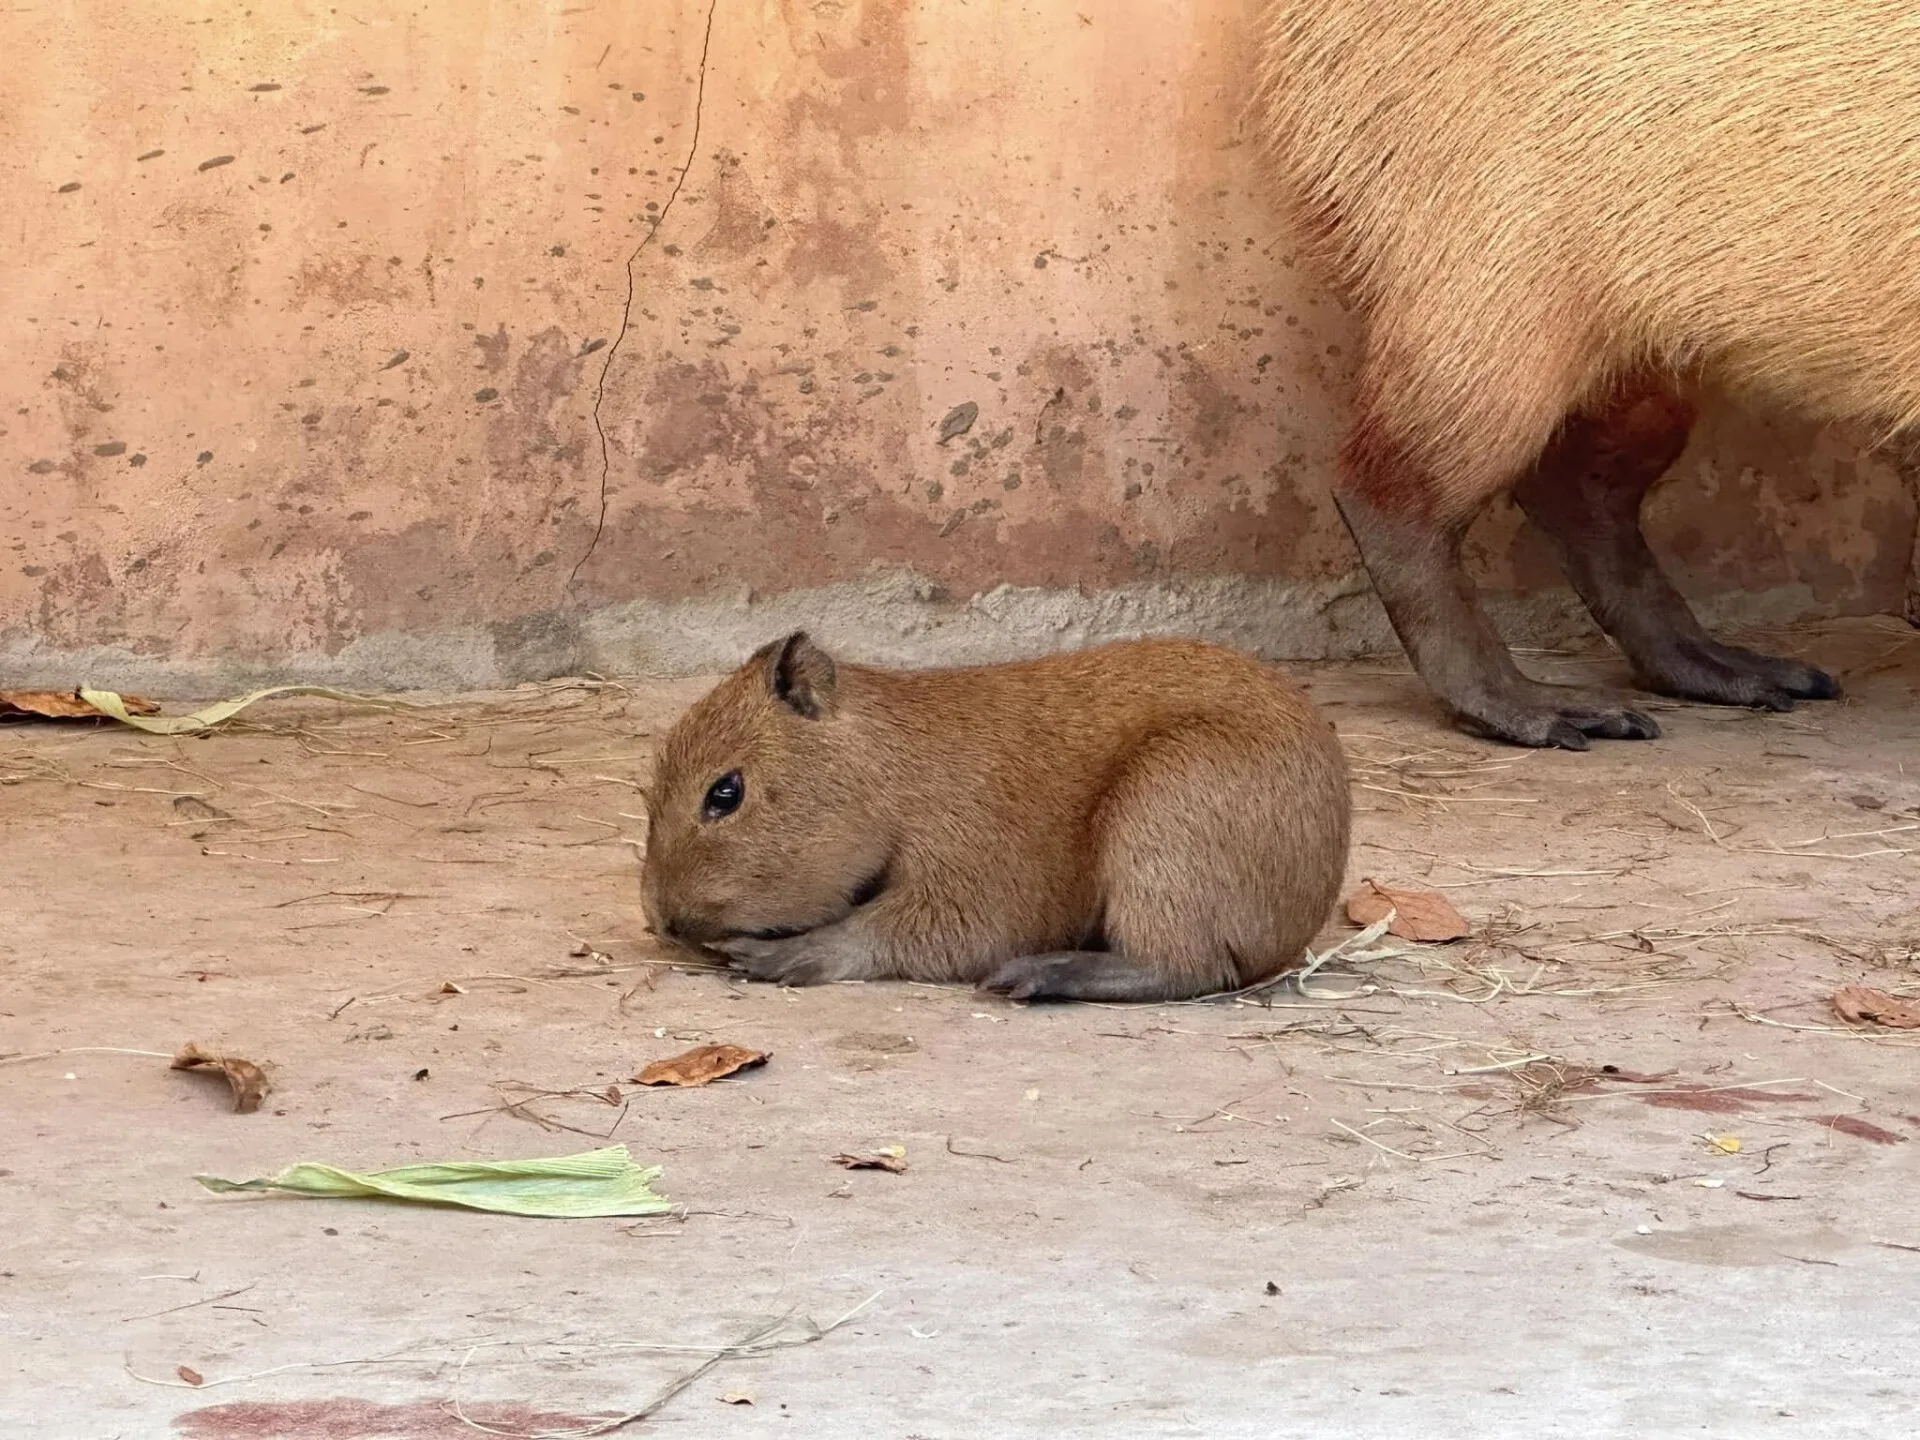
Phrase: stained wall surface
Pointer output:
(459, 343)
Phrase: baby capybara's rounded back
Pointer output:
(1527, 198)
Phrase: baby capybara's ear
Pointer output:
(801, 675)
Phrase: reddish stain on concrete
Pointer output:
(344, 1418)
(1860, 1129)
(1712, 1100)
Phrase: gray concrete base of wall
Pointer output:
(893, 617)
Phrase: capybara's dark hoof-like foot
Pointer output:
(1554, 717)
(1719, 674)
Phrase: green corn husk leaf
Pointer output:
(108, 703)
(567, 1187)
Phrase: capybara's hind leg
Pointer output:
(1585, 495)
(1408, 522)
(1221, 850)
(1085, 975)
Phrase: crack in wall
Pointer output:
(626, 308)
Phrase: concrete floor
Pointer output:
(1333, 1216)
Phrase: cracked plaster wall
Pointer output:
(312, 310)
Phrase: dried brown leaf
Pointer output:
(701, 1065)
(246, 1079)
(1418, 914)
(893, 1159)
(1858, 1004)
(63, 705)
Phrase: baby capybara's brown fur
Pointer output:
(1144, 821)
(1554, 218)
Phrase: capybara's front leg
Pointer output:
(844, 950)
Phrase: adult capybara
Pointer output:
(1554, 218)
(1143, 821)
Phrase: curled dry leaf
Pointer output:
(63, 705)
(892, 1159)
(1857, 1005)
(701, 1065)
(247, 1080)
(1418, 914)
(737, 1397)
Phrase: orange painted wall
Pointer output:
(319, 326)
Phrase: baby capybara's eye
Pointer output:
(724, 796)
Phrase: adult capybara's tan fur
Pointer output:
(1553, 217)
(1143, 821)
